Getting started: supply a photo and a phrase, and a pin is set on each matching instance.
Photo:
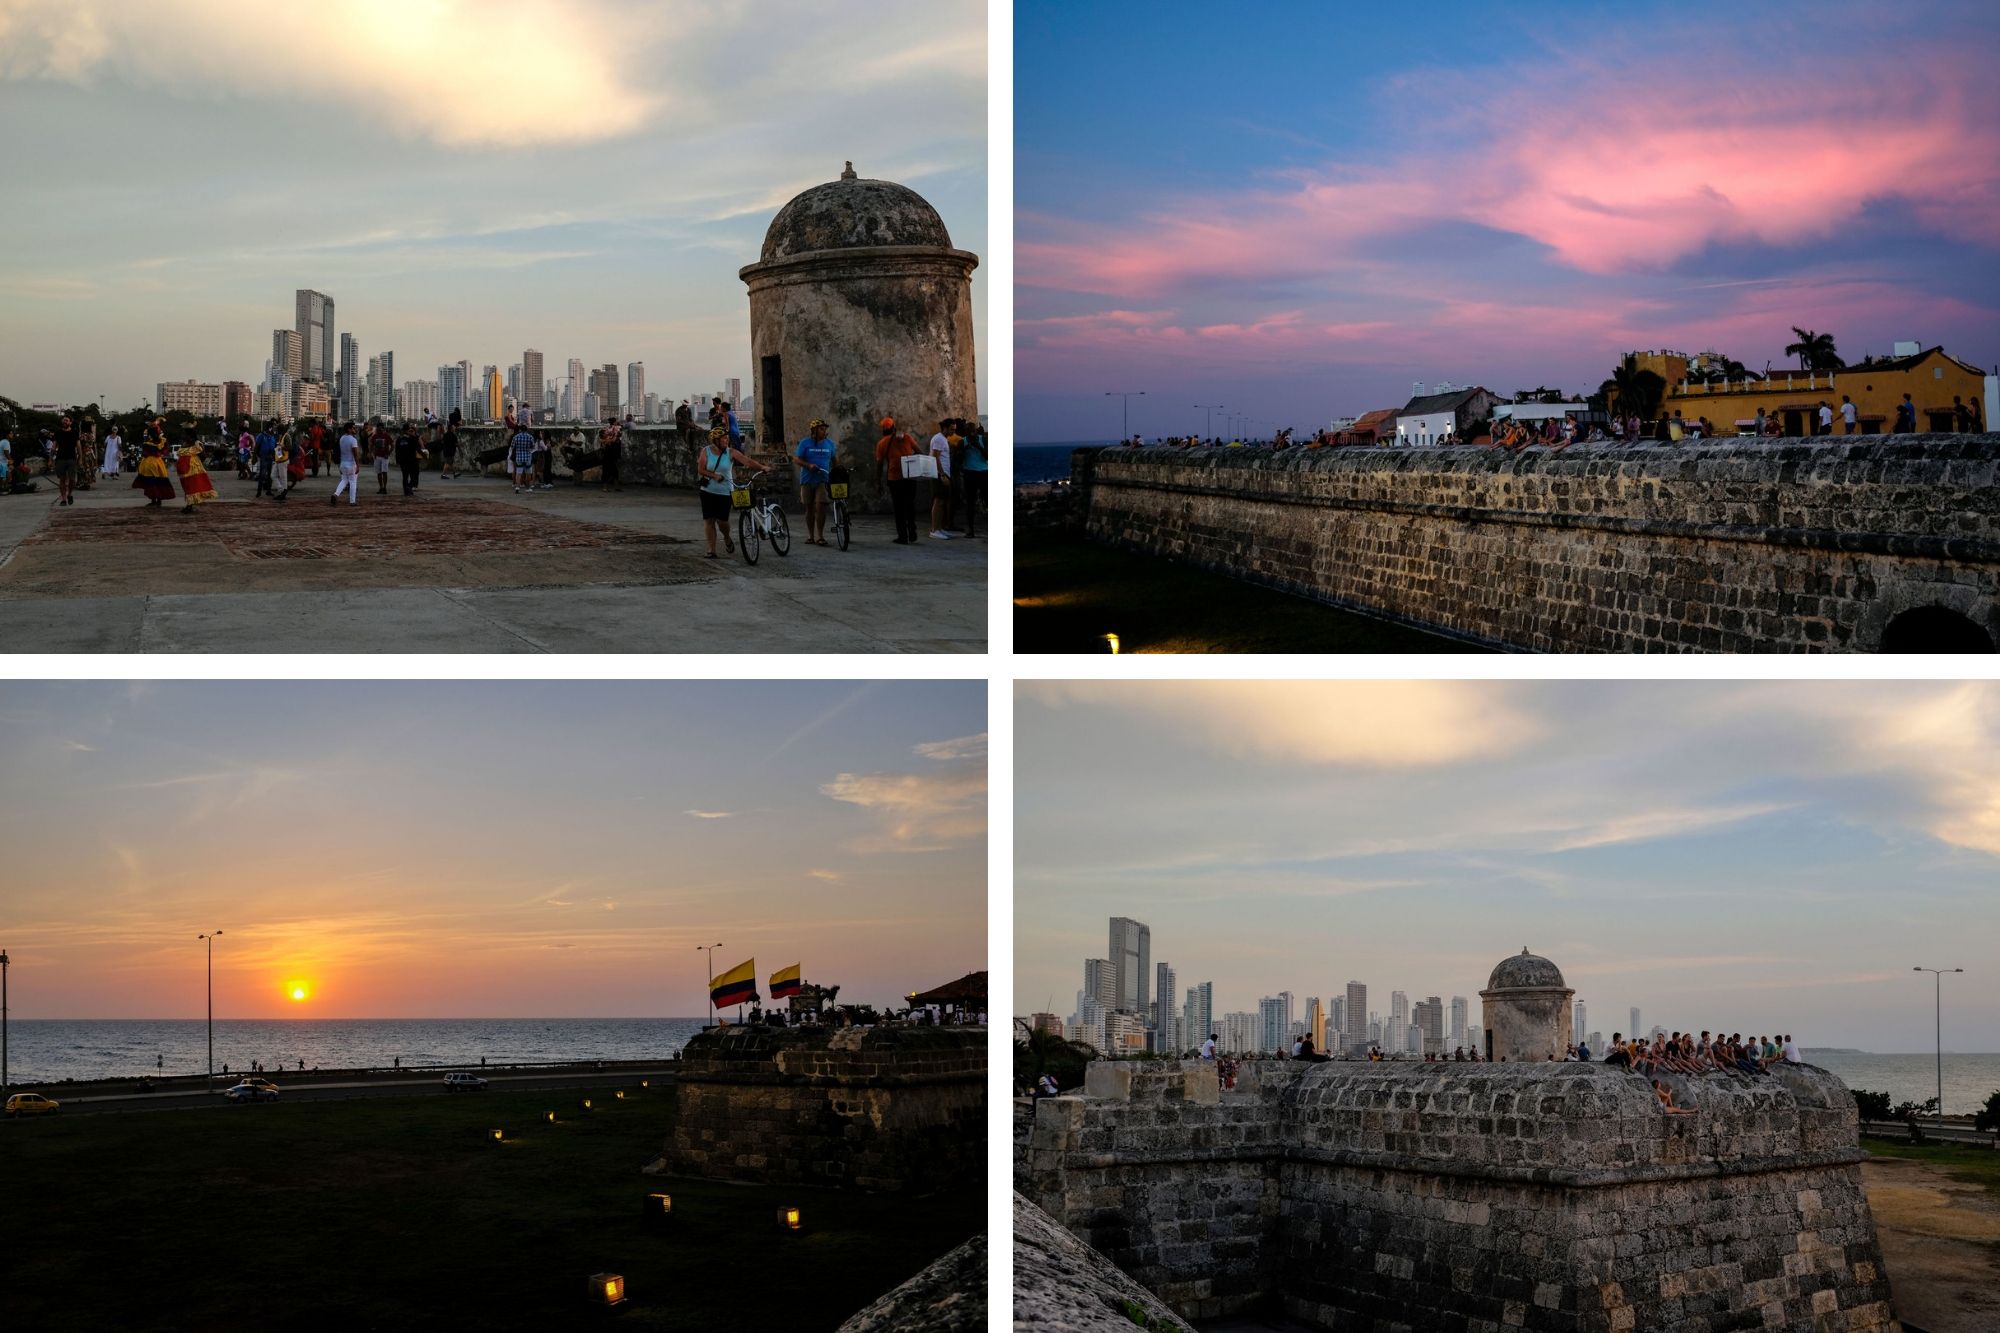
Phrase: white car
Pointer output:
(464, 1083)
(252, 1090)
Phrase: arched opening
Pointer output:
(1933, 629)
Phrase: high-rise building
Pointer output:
(635, 385)
(202, 399)
(1633, 1031)
(496, 407)
(236, 399)
(533, 384)
(1429, 1021)
(287, 353)
(371, 389)
(1200, 1012)
(1354, 1025)
(1316, 1022)
(1458, 1017)
(1399, 1022)
(451, 391)
(576, 389)
(1239, 1033)
(419, 397)
(1273, 1032)
(313, 320)
(651, 410)
(1581, 1023)
(270, 405)
(1131, 953)
(514, 383)
(593, 406)
(1162, 1019)
(549, 399)
(387, 407)
(349, 379)
(566, 405)
(1045, 1023)
(308, 398)
(1336, 1015)
(609, 395)
(1100, 981)
(1475, 1039)
(734, 394)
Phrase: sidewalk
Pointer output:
(467, 565)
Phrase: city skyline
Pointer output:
(1374, 211)
(602, 207)
(510, 855)
(1712, 854)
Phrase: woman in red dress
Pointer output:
(153, 477)
(195, 483)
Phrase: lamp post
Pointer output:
(210, 938)
(1126, 420)
(1937, 983)
(708, 995)
(1210, 408)
(3, 1024)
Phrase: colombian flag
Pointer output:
(785, 983)
(736, 986)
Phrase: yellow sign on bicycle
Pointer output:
(740, 497)
(838, 490)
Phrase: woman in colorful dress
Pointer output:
(153, 477)
(299, 447)
(195, 483)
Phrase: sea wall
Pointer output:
(1556, 1197)
(1720, 545)
(889, 1109)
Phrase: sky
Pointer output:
(466, 178)
(484, 849)
(1300, 215)
(1750, 857)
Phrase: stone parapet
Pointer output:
(1718, 545)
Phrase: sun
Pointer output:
(298, 990)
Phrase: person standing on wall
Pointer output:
(815, 458)
(974, 472)
(890, 451)
(941, 483)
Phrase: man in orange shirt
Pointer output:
(890, 451)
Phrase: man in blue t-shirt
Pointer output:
(267, 454)
(815, 456)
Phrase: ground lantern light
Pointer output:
(607, 1290)
(495, 1135)
(788, 1219)
(552, 1117)
(620, 1094)
(659, 1209)
(586, 1103)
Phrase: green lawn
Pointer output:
(1961, 1161)
(396, 1213)
(1068, 593)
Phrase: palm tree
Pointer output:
(1815, 351)
(1041, 1052)
(1635, 392)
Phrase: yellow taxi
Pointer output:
(30, 1103)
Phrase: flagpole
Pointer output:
(708, 998)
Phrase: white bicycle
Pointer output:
(759, 517)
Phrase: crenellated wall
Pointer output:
(1718, 545)
(1555, 1197)
(885, 1108)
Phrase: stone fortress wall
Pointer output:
(887, 1108)
(1543, 1196)
(1711, 545)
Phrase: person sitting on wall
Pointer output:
(1666, 1096)
(1045, 1086)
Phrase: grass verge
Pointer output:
(1068, 593)
(393, 1213)
(1960, 1161)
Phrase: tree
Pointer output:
(1044, 1052)
(1633, 391)
(1907, 1112)
(1815, 351)
(1873, 1105)
(1989, 1116)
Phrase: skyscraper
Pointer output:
(1582, 1027)
(371, 388)
(1131, 953)
(1354, 1030)
(496, 407)
(651, 409)
(1399, 1022)
(514, 383)
(574, 408)
(451, 390)
(1336, 1016)
(635, 385)
(1429, 1020)
(1100, 981)
(350, 375)
(313, 319)
(1200, 1012)
(533, 386)
(1273, 1032)
(1458, 1016)
(1316, 1022)
(1163, 1006)
(735, 394)
(609, 396)
(287, 353)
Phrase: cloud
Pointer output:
(918, 813)
(1376, 724)
(1650, 825)
(464, 73)
(830, 876)
(711, 814)
(964, 747)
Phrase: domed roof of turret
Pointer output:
(1524, 969)
(850, 213)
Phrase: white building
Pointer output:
(1239, 1033)
(574, 403)
(196, 396)
(635, 386)
(1431, 428)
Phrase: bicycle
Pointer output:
(759, 516)
(837, 501)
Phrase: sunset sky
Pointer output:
(466, 178)
(1756, 857)
(1300, 212)
(484, 849)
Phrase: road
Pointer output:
(349, 1091)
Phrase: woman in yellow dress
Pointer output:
(195, 484)
(153, 477)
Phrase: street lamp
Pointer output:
(210, 937)
(709, 994)
(1210, 408)
(1127, 418)
(1937, 980)
(3, 1024)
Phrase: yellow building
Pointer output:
(1932, 378)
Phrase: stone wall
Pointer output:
(1471, 1196)
(1719, 545)
(886, 1109)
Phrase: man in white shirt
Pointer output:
(1208, 1048)
(941, 487)
(1791, 1052)
(1825, 418)
(1847, 414)
(350, 468)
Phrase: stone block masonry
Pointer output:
(889, 1109)
(1837, 544)
(1555, 1197)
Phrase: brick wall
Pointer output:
(1717, 545)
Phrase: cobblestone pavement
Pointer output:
(466, 565)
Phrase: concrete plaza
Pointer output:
(466, 565)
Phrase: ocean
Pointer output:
(1048, 462)
(1968, 1079)
(50, 1050)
